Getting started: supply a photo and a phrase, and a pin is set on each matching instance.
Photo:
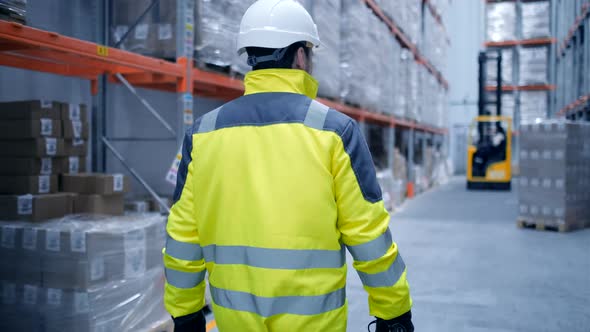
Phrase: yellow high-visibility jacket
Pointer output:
(272, 188)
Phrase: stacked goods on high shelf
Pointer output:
(82, 274)
(554, 182)
(522, 65)
(501, 21)
(434, 44)
(155, 35)
(409, 88)
(407, 15)
(326, 59)
(13, 10)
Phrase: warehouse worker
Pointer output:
(271, 189)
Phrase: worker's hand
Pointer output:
(191, 323)
(402, 323)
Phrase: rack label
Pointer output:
(8, 237)
(24, 205)
(117, 182)
(165, 31)
(141, 31)
(52, 240)
(30, 239)
(46, 166)
(102, 50)
(30, 295)
(74, 110)
(46, 103)
(78, 241)
(46, 127)
(73, 165)
(77, 128)
(54, 296)
(50, 146)
(77, 142)
(44, 184)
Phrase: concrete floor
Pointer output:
(471, 269)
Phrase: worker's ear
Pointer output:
(302, 61)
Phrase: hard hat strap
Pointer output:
(277, 55)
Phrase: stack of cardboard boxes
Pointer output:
(43, 144)
(82, 274)
(554, 187)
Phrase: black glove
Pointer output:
(191, 323)
(402, 323)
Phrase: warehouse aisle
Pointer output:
(471, 269)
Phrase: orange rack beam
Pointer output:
(574, 105)
(508, 88)
(525, 42)
(405, 42)
(574, 28)
(33, 49)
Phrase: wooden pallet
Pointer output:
(541, 225)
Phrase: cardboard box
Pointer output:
(31, 184)
(75, 112)
(76, 147)
(95, 184)
(30, 110)
(30, 166)
(100, 204)
(155, 205)
(137, 206)
(73, 165)
(73, 129)
(23, 129)
(35, 207)
(39, 147)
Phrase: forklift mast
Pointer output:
(483, 59)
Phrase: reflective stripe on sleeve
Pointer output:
(183, 250)
(372, 250)
(184, 280)
(288, 259)
(209, 121)
(386, 278)
(270, 306)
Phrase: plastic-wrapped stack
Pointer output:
(501, 21)
(239, 62)
(554, 186)
(218, 23)
(326, 59)
(535, 19)
(82, 274)
(410, 88)
(507, 66)
(13, 10)
(533, 106)
(389, 64)
(359, 67)
(434, 44)
(533, 65)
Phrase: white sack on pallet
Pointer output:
(82, 274)
(535, 19)
(501, 21)
(533, 106)
(533, 65)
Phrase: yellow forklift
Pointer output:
(489, 149)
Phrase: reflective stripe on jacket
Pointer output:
(271, 189)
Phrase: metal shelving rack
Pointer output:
(44, 51)
(572, 99)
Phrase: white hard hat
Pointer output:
(276, 24)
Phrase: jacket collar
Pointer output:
(281, 80)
